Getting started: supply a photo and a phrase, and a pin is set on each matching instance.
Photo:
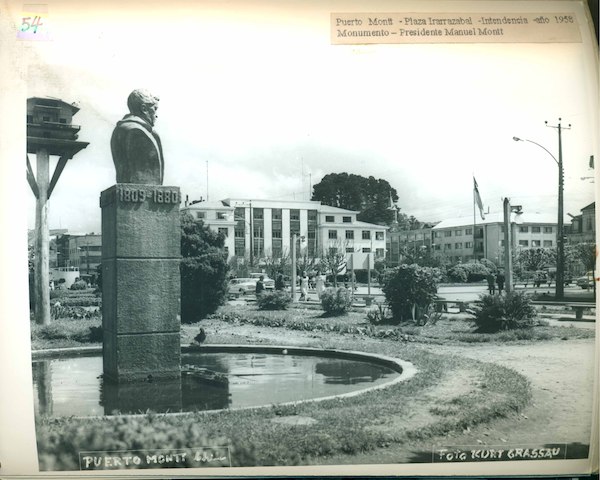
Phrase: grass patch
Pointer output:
(66, 332)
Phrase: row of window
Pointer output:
(457, 246)
(457, 233)
(331, 219)
(366, 235)
(469, 231)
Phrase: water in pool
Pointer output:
(74, 386)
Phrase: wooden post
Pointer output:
(42, 241)
(294, 238)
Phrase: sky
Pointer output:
(257, 103)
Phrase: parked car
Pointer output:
(269, 282)
(241, 286)
(586, 281)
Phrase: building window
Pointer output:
(276, 214)
(329, 218)
(523, 229)
(221, 216)
(469, 231)
(448, 233)
(333, 251)
(349, 234)
(257, 213)
(536, 243)
(223, 231)
(332, 234)
(240, 250)
(436, 234)
(46, 119)
(366, 234)
(349, 250)
(366, 250)
(523, 243)
(312, 216)
(447, 246)
(378, 235)
(547, 243)
(258, 231)
(457, 233)
(501, 243)
(200, 215)
(536, 229)
(436, 247)
(62, 120)
(312, 234)
(379, 252)
(277, 233)
(548, 229)
(458, 246)
(347, 219)
(468, 244)
(295, 214)
(29, 118)
(239, 233)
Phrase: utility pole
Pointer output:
(508, 269)
(560, 237)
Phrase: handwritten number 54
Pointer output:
(26, 24)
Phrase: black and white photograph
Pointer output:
(315, 238)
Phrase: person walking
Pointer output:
(500, 281)
(320, 284)
(279, 283)
(260, 286)
(304, 287)
(491, 283)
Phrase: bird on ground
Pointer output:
(201, 336)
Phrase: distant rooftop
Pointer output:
(494, 218)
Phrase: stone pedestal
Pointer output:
(141, 252)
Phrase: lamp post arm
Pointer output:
(535, 143)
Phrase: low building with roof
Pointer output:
(583, 226)
(459, 239)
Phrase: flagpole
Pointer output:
(474, 223)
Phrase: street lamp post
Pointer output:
(560, 239)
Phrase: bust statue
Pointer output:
(135, 145)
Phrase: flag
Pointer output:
(391, 207)
(477, 198)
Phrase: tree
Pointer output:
(333, 260)
(276, 265)
(534, 259)
(204, 270)
(586, 254)
(409, 291)
(369, 196)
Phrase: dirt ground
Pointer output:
(561, 375)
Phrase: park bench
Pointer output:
(441, 305)
(580, 308)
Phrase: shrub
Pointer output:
(204, 270)
(78, 285)
(336, 301)
(504, 312)
(458, 274)
(409, 291)
(276, 300)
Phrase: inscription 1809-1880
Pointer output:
(131, 194)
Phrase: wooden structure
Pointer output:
(49, 132)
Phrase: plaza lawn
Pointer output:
(447, 394)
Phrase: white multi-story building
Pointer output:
(264, 228)
(454, 241)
